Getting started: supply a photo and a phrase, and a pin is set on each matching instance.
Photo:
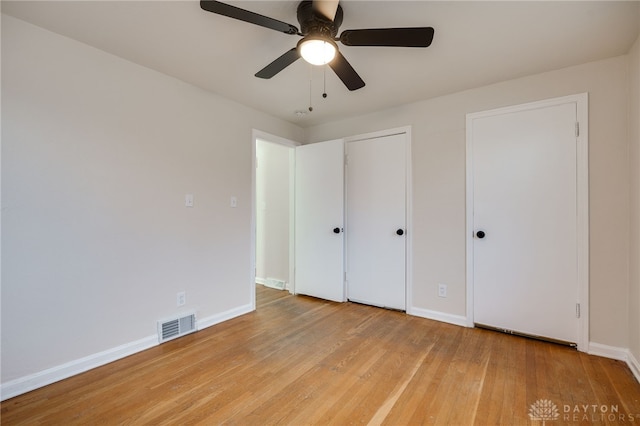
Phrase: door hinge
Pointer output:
(577, 310)
(577, 129)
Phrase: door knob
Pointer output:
(400, 232)
(480, 234)
(336, 230)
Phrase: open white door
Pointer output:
(319, 217)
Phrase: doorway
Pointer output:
(527, 224)
(273, 184)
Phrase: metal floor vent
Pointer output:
(275, 283)
(176, 327)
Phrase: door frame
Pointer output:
(255, 135)
(406, 130)
(582, 202)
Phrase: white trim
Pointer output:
(469, 220)
(582, 206)
(226, 315)
(406, 131)
(582, 203)
(260, 280)
(253, 265)
(613, 352)
(607, 351)
(255, 135)
(634, 365)
(64, 371)
(380, 134)
(438, 316)
(291, 284)
(51, 375)
(409, 219)
(268, 137)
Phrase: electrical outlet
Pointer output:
(442, 290)
(181, 298)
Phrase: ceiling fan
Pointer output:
(319, 22)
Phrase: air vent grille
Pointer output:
(176, 327)
(275, 283)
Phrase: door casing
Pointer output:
(255, 135)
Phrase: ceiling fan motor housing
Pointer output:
(314, 23)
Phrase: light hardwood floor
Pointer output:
(299, 360)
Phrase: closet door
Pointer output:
(376, 221)
(319, 220)
(524, 219)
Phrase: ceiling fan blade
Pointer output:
(247, 16)
(326, 8)
(279, 64)
(393, 37)
(346, 73)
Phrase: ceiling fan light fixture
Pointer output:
(317, 50)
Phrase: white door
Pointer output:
(524, 221)
(376, 218)
(319, 217)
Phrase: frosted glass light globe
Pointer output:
(317, 51)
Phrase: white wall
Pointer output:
(98, 153)
(97, 156)
(634, 163)
(438, 149)
(272, 210)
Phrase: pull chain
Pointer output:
(310, 91)
(324, 84)
(324, 81)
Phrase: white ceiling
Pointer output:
(476, 43)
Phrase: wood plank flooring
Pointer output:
(299, 360)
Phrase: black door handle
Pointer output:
(400, 232)
(336, 230)
(480, 234)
